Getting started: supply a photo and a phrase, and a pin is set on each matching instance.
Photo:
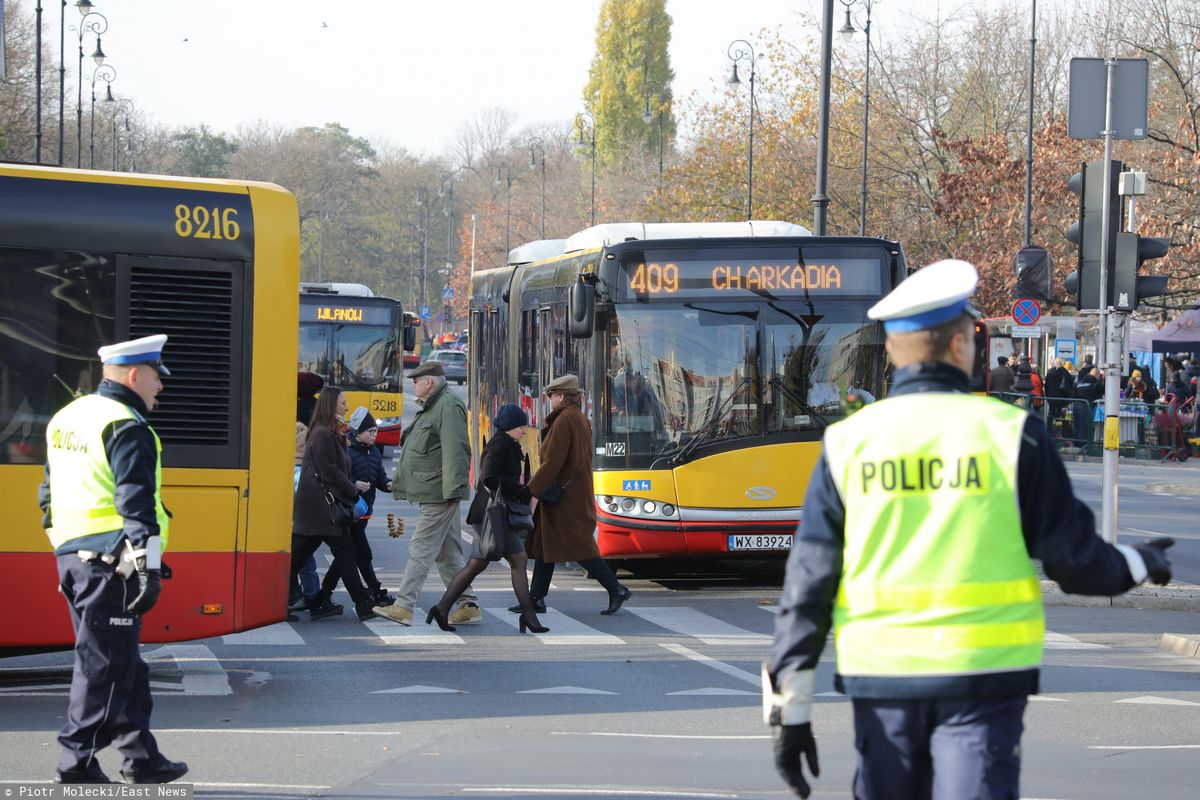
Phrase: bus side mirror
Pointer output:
(410, 337)
(581, 310)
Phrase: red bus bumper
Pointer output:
(619, 537)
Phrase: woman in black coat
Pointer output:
(499, 468)
(326, 468)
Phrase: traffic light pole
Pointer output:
(1110, 341)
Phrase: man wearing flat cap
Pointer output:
(108, 527)
(923, 514)
(435, 459)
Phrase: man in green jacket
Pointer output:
(434, 463)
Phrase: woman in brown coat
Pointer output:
(564, 531)
(326, 468)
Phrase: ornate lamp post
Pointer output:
(97, 23)
(504, 174)
(741, 50)
(119, 106)
(108, 74)
(591, 139)
(647, 116)
(847, 32)
(538, 148)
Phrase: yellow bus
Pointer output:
(355, 340)
(88, 258)
(712, 357)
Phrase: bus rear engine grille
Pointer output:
(196, 311)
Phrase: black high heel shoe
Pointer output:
(525, 625)
(437, 614)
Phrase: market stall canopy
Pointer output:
(1180, 335)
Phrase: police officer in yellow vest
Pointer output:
(106, 521)
(922, 519)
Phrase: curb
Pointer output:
(1173, 488)
(1179, 645)
(1162, 598)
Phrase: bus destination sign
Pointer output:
(660, 276)
(344, 313)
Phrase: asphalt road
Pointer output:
(660, 700)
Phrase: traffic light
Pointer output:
(1033, 267)
(1130, 288)
(1087, 232)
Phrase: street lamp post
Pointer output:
(446, 192)
(740, 50)
(504, 173)
(847, 32)
(423, 221)
(119, 106)
(97, 23)
(536, 148)
(646, 117)
(108, 74)
(592, 137)
(37, 136)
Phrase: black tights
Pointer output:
(517, 563)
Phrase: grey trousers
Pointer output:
(437, 538)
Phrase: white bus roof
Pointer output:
(538, 250)
(344, 289)
(613, 233)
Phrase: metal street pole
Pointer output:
(820, 199)
(62, 77)
(107, 73)
(1111, 339)
(98, 26)
(1029, 133)
(536, 146)
(736, 55)
(862, 212)
(37, 136)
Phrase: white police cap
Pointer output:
(146, 350)
(929, 297)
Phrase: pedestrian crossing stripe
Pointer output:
(566, 630)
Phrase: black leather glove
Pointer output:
(150, 581)
(792, 741)
(1154, 555)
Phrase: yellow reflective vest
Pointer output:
(936, 577)
(82, 495)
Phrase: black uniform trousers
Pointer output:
(938, 749)
(597, 568)
(110, 700)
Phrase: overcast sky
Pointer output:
(409, 72)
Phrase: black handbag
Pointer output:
(341, 513)
(493, 529)
(520, 514)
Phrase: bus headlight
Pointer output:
(628, 504)
(649, 506)
(668, 510)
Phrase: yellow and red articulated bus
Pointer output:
(90, 258)
(712, 357)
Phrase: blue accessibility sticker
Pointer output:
(635, 486)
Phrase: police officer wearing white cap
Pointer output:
(922, 518)
(108, 527)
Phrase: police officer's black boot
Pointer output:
(91, 774)
(165, 772)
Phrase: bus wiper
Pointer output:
(708, 430)
(776, 383)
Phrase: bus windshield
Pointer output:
(352, 354)
(682, 376)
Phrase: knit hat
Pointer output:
(308, 384)
(361, 420)
(508, 417)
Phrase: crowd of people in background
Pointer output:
(1067, 397)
